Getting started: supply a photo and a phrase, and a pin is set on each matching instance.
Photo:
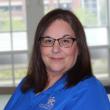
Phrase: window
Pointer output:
(91, 5)
(94, 16)
(13, 42)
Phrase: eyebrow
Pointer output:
(64, 36)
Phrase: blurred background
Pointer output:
(18, 22)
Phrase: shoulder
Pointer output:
(89, 94)
(88, 84)
(16, 94)
(91, 86)
(92, 83)
(18, 88)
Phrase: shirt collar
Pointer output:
(57, 86)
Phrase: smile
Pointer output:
(56, 59)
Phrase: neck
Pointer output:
(52, 79)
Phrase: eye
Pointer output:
(47, 40)
(66, 40)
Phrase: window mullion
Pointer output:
(11, 37)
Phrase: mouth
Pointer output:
(56, 59)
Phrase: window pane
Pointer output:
(5, 71)
(100, 62)
(90, 12)
(49, 5)
(4, 15)
(18, 15)
(20, 62)
(19, 41)
(5, 42)
(13, 39)
(95, 36)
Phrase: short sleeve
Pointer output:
(16, 94)
(91, 97)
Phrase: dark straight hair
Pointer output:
(37, 75)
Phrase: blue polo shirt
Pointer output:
(88, 94)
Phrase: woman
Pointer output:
(59, 76)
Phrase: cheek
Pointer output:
(44, 52)
(72, 56)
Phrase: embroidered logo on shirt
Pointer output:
(49, 105)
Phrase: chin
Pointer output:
(57, 70)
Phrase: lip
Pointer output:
(56, 59)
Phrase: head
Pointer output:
(58, 48)
(73, 61)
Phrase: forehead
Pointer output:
(59, 28)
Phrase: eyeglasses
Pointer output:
(63, 42)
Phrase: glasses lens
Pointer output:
(46, 41)
(66, 42)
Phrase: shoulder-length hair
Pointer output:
(37, 75)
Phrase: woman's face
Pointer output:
(56, 58)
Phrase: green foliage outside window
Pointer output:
(86, 17)
(17, 24)
(7, 74)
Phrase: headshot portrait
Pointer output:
(59, 74)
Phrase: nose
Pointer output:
(56, 47)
